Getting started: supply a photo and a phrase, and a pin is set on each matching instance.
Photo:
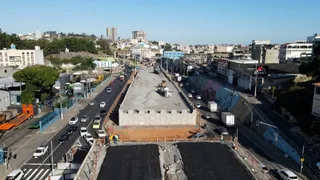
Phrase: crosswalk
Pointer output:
(36, 173)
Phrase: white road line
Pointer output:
(38, 174)
(32, 174)
(28, 172)
(44, 174)
(24, 169)
(38, 164)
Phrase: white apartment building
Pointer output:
(223, 49)
(21, 57)
(141, 36)
(293, 51)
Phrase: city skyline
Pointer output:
(201, 22)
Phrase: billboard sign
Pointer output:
(261, 71)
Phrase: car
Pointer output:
(88, 137)
(108, 90)
(96, 124)
(91, 103)
(286, 174)
(198, 105)
(97, 117)
(64, 137)
(102, 104)
(40, 151)
(207, 116)
(71, 129)
(198, 97)
(264, 168)
(103, 112)
(83, 131)
(189, 95)
(193, 91)
(15, 175)
(223, 131)
(101, 133)
(73, 120)
(84, 118)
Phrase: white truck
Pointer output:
(212, 106)
(227, 119)
(40, 151)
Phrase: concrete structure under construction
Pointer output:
(144, 106)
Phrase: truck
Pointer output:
(7, 115)
(121, 77)
(212, 106)
(27, 113)
(40, 151)
(227, 119)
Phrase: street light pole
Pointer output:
(60, 97)
(251, 117)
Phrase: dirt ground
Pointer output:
(146, 133)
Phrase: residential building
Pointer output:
(141, 36)
(141, 52)
(7, 71)
(293, 52)
(173, 54)
(20, 57)
(112, 34)
(264, 51)
(316, 100)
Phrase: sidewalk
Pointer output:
(31, 142)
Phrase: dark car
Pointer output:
(72, 129)
(121, 86)
(64, 137)
(103, 112)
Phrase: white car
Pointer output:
(102, 104)
(73, 121)
(83, 131)
(88, 137)
(189, 95)
(15, 175)
(286, 174)
(91, 103)
(198, 97)
(40, 151)
(193, 91)
(84, 118)
(198, 105)
(108, 90)
(101, 133)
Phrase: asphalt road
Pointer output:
(40, 168)
(135, 162)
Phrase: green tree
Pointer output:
(27, 97)
(167, 47)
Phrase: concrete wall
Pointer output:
(4, 100)
(156, 117)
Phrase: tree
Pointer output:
(27, 97)
(167, 47)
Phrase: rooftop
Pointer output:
(143, 94)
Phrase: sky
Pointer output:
(174, 21)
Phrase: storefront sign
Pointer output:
(261, 71)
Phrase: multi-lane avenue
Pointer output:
(41, 167)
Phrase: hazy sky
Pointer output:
(180, 21)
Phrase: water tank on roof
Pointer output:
(12, 46)
(37, 48)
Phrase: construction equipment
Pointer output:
(27, 113)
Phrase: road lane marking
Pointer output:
(32, 174)
(37, 164)
(28, 172)
(38, 174)
(44, 174)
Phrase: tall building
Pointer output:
(112, 34)
(139, 35)
(21, 58)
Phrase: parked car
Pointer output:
(198, 97)
(108, 90)
(102, 104)
(83, 131)
(193, 91)
(84, 118)
(64, 138)
(40, 151)
(71, 129)
(89, 138)
(103, 112)
(286, 174)
(91, 103)
(223, 131)
(96, 124)
(189, 95)
(198, 105)
(101, 133)
(15, 175)
(73, 120)
(207, 116)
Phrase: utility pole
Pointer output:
(60, 96)
(302, 160)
